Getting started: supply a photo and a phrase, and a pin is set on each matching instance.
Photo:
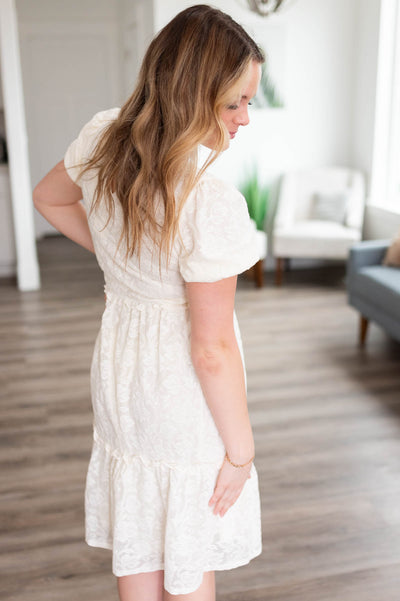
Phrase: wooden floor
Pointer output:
(326, 419)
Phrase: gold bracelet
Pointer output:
(238, 464)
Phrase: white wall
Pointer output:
(71, 54)
(137, 28)
(366, 41)
(380, 223)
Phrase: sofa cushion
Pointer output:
(381, 286)
(392, 256)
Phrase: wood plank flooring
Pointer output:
(326, 420)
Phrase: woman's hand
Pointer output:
(229, 485)
(57, 198)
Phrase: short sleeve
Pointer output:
(82, 147)
(219, 238)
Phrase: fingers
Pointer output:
(218, 492)
(229, 485)
(222, 506)
(224, 499)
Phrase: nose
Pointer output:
(242, 116)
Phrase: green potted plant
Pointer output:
(257, 197)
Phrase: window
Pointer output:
(385, 182)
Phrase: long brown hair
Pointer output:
(151, 146)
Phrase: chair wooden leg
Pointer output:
(363, 330)
(259, 273)
(278, 271)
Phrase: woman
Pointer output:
(171, 487)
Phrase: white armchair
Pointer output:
(319, 214)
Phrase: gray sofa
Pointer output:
(372, 288)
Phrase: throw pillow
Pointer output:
(329, 206)
(392, 256)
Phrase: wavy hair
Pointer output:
(147, 156)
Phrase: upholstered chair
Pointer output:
(319, 214)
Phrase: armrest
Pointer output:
(362, 254)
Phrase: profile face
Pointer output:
(235, 113)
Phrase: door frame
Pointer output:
(28, 274)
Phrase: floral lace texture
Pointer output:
(156, 449)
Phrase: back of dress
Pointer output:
(156, 449)
(130, 278)
(217, 234)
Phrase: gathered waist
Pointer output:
(140, 302)
(150, 462)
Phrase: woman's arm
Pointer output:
(57, 198)
(218, 364)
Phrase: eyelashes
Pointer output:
(234, 107)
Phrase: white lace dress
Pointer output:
(156, 449)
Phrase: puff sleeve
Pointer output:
(81, 148)
(219, 238)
